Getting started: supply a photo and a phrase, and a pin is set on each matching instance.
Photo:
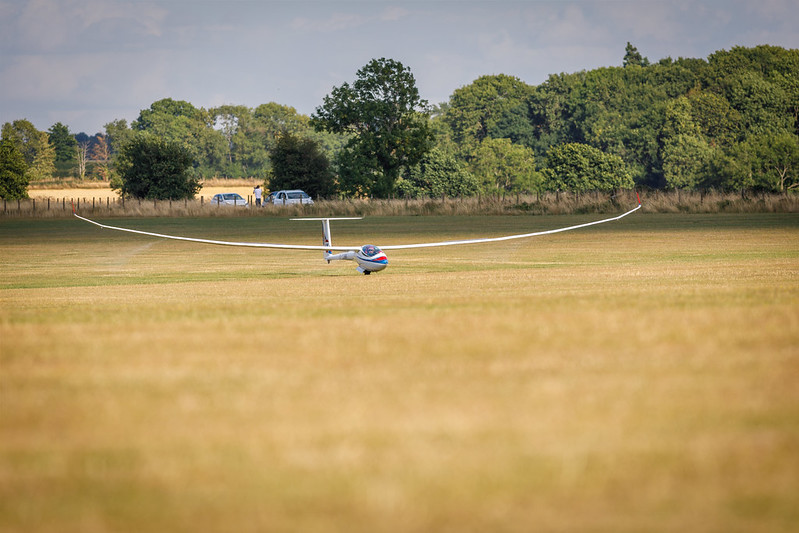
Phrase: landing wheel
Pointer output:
(366, 272)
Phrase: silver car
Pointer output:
(229, 198)
(295, 196)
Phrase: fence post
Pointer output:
(34, 205)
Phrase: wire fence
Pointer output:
(535, 204)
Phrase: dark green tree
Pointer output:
(774, 161)
(154, 118)
(686, 160)
(34, 146)
(64, 143)
(358, 171)
(299, 163)
(388, 119)
(579, 167)
(251, 135)
(118, 134)
(761, 83)
(437, 174)
(191, 127)
(633, 57)
(515, 124)
(502, 166)
(13, 181)
(551, 111)
(491, 106)
(716, 119)
(155, 169)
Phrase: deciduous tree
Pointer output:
(13, 181)
(156, 169)
(299, 163)
(488, 107)
(388, 119)
(579, 167)
(502, 166)
(63, 142)
(35, 147)
(437, 174)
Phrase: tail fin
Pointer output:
(326, 239)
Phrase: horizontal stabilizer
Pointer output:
(330, 218)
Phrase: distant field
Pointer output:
(635, 376)
(103, 193)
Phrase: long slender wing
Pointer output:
(225, 243)
(353, 248)
(508, 237)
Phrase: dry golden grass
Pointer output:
(101, 193)
(632, 377)
(55, 203)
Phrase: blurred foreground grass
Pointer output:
(639, 376)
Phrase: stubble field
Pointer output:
(635, 376)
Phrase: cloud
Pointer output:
(57, 26)
(93, 61)
(394, 14)
(342, 20)
(775, 10)
(334, 23)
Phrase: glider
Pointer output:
(369, 257)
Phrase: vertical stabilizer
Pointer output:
(326, 241)
(326, 238)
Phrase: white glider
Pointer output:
(369, 257)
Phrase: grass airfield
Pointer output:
(635, 376)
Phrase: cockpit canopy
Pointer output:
(370, 250)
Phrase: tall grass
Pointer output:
(521, 204)
(640, 377)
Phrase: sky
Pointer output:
(85, 63)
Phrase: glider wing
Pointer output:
(508, 237)
(354, 248)
(224, 243)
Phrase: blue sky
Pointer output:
(87, 62)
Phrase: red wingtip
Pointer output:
(639, 197)
(73, 208)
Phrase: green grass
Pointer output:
(635, 376)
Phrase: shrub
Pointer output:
(154, 169)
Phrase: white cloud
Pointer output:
(93, 61)
(334, 23)
(55, 26)
(394, 14)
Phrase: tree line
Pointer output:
(728, 122)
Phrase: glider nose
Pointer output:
(370, 258)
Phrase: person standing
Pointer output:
(257, 192)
